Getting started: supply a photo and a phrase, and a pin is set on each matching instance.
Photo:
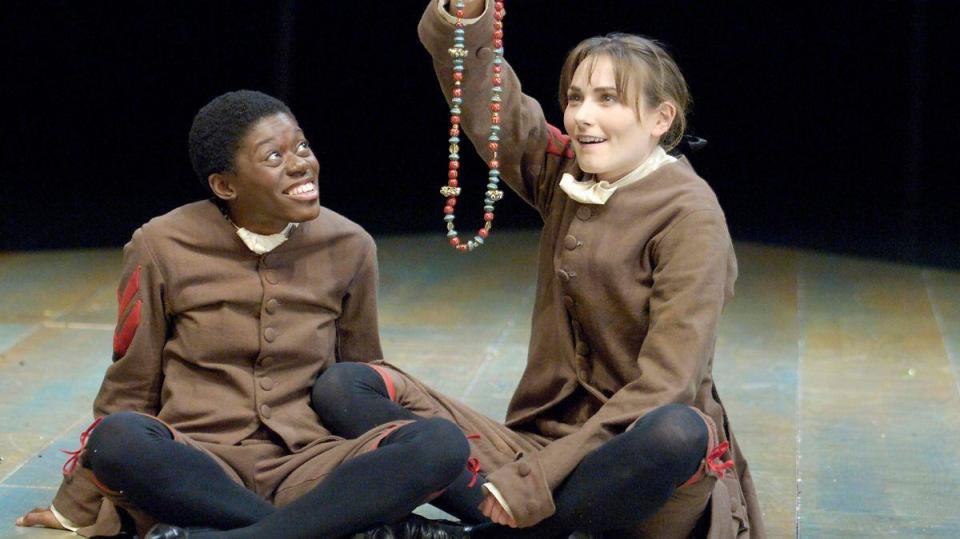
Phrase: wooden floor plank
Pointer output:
(880, 415)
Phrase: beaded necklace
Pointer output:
(452, 190)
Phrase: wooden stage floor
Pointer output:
(840, 374)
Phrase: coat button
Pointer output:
(272, 306)
(269, 334)
(570, 242)
(563, 275)
(583, 348)
(523, 469)
(265, 411)
(568, 302)
(271, 276)
(266, 383)
(584, 213)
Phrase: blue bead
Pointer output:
(452, 233)
(458, 39)
(493, 138)
(496, 98)
(492, 186)
(455, 110)
(458, 61)
(494, 172)
(454, 140)
(457, 100)
(488, 208)
(495, 128)
(496, 60)
(454, 156)
(487, 202)
(498, 51)
(478, 239)
(448, 218)
(459, 31)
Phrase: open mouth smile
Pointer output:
(302, 191)
(583, 139)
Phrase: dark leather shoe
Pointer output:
(416, 527)
(166, 531)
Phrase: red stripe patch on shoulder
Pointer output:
(558, 143)
(130, 290)
(125, 332)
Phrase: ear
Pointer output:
(664, 115)
(222, 185)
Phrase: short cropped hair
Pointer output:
(222, 123)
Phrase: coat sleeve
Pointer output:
(358, 334)
(134, 379)
(691, 282)
(531, 152)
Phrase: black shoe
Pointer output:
(166, 531)
(415, 527)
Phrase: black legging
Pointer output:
(178, 484)
(616, 486)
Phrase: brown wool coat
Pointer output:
(229, 342)
(628, 298)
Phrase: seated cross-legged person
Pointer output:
(230, 308)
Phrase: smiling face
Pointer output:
(610, 136)
(273, 181)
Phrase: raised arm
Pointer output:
(531, 152)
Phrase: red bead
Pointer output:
(448, 210)
(452, 174)
(460, 13)
(498, 15)
(498, 34)
(461, 247)
(454, 165)
(497, 69)
(498, 80)
(454, 132)
(455, 120)
(454, 241)
(453, 183)
(486, 217)
(495, 107)
(498, 43)
(458, 92)
(498, 6)
(461, 25)
(494, 164)
(483, 233)
(494, 146)
(495, 118)
(457, 75)
(452, 201)
(497, 25)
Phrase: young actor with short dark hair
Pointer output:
(229, 310)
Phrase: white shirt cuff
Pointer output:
(64, 521)
(442, 6)
(489, 488)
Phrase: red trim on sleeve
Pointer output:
(558, 143)
(124, 334)
(130, 290)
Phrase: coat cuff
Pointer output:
(77, 501)
(445, 13)
(524, 488)
(436, 31)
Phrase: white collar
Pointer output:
(260, 243)
(593, 192)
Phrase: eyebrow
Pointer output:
(597, 89)
(262, 142)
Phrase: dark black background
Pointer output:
(831, 125)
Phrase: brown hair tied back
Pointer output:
(644, 71)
